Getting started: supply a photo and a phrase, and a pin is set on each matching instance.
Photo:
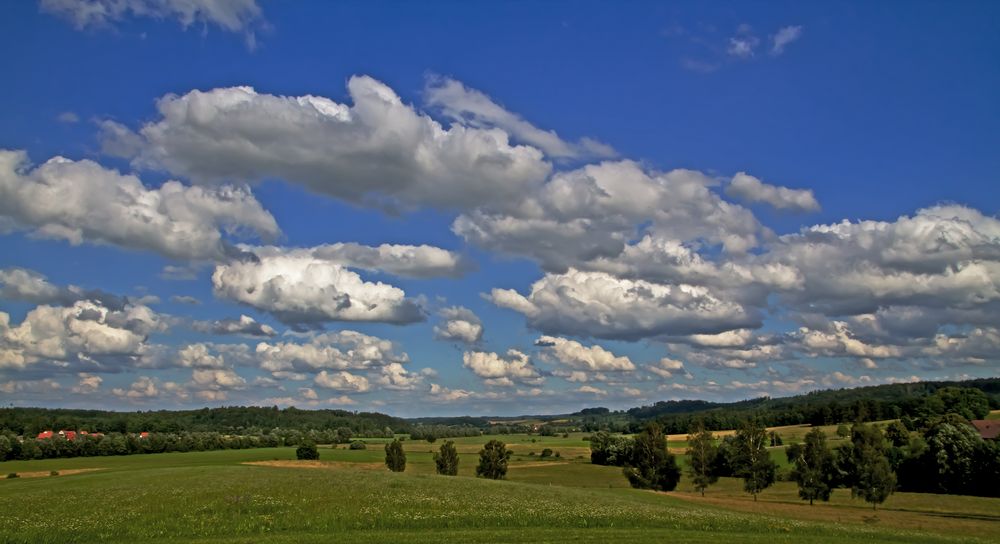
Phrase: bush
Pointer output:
(12, 475)
(307, 451)
(54, 473)
(547, 452)
(358, 445)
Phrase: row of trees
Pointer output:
(493, 459)
(431, 433)
(947, 455)
(13, 448)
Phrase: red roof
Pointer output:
(44, 434)
(989, 429)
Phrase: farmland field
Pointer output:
(348, 496)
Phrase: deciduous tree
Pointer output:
(651, 465)
(701, 453)
(493, 460)
(813, 467)
(446, 459)
(395, 457)
(752, 461)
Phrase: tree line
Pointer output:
(13, 447)
(228, 420)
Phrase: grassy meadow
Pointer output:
(264, 495)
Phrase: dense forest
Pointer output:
(918, 400)
(233, 420)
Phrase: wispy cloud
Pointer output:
(783, 37)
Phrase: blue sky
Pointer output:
(503, 208)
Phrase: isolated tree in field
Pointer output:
(843, 431)
(868, 470)
(813, 467)
(752, 461)
(651, 465)
(446, 459)
(701, 453)
(395, 457)
(307, 451)
(493, 460)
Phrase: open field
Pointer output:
(348, 496)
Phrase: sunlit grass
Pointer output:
(212, 497)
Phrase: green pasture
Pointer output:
(213, 497)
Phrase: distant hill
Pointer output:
(829, 406)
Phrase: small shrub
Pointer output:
(547, 452)
(54, 473)
(557, 455)
(358, 445)
(12, 475)
(531, 454)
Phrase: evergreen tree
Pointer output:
(395, 457)
(752, 461)
(702, 453)
(446, 459)
(493, 460)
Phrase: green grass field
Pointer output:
(350, 497)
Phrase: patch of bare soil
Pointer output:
(538, 464)
(328, 465)
(48, 473)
